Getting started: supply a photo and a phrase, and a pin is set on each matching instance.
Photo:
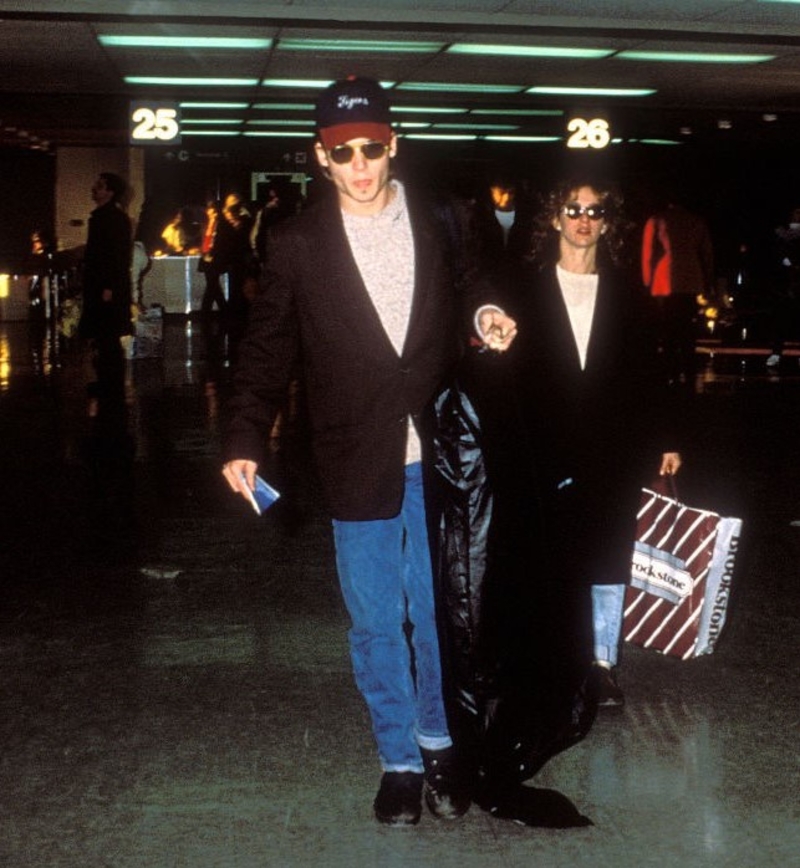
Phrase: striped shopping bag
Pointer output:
(681, 573)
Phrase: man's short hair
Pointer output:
(115, 184)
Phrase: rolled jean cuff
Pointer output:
(434, 742)
(416, 769)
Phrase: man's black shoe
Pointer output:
(445, 794)
(399, 799)
(607, 691)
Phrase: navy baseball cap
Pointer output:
(354, 108)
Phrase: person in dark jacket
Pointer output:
(106, 312)
(357, 289)
(565, 424)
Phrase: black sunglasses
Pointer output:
(594, 212)
(343, 154)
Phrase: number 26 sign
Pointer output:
(154, 123)
(592, 133)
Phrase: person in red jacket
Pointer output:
(677, 267)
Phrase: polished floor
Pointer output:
(175, 683)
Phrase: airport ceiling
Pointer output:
(520, 70)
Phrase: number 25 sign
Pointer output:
(588, 134)
(154, 123)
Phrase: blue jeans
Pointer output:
(607, 604)
(385, 573)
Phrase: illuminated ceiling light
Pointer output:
(444, 137)
(658, 142)
(593, 91)
(413, 125)
(277, 134)
(183, 81)
(451, 87)
(228, 133)
(215, 105)
(528, 51)
(183, 42)
(769, 117)
(317, 84)
(694, 57)
(279, 122)
(285, 106)
(468, 126)
(686, 131)
(724, 124)
(523, 138)
(428, 109)
(543, 113)
(360, 45)
(219, 121)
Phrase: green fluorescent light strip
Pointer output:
(413, 125)
(285, 106)
(407, 109)
(317, 84)
(215, 105)
(523, 138)
(593, 91)
(694, 57)
(183, 42)
(441, 137)
(283, 122)
(528, 51)
(356, 45)
(450, 87)
(658, 142)
(278, 134)
(220, 121)
(543, 113)
(468, 126)
(210, 133)
(190, 82)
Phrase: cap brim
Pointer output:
(341, 133)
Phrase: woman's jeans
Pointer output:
(386, 578)
(607, 603)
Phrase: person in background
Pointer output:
(177, 234)
(211, 264)
(678, 270)
(502, 222)
(786, 268)
(357, 290)
(106, 312)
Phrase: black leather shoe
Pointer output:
(607, 691)
(399, 799)
(445, 793)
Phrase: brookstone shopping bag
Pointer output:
(681, 574)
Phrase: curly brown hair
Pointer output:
(544, 240)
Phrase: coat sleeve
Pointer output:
(268, 355)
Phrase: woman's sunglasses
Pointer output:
(343, 154)
(594, 212)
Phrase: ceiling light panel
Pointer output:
(539, 51)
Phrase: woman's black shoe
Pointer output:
(445, 794)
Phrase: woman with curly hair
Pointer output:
(566, 421)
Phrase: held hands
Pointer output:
(670, 464)
(497, 330)
(240, 473)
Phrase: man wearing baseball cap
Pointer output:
(358, 290)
